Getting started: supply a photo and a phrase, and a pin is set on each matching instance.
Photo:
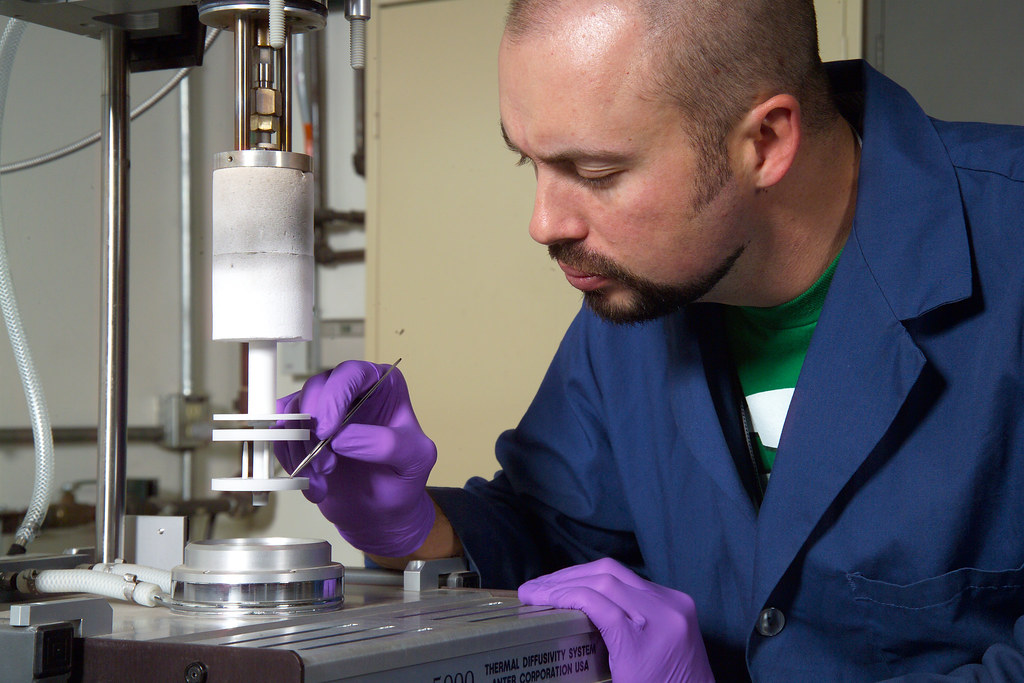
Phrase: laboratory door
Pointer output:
(961, 59)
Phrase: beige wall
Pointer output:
(840, 28)
(455, 285)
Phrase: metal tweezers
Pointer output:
(348, 416)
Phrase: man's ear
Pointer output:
(769, 137)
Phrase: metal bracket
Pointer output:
(451, 572)
(90, 616)
(155, 540)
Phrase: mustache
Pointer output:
(578, 257)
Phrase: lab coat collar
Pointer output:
(909, 223)
(907, 255)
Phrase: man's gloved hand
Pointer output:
(370, 479)
(651, 631)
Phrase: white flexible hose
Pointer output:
(40, 417)
(97, 583)
(277, 33)
(160, 577)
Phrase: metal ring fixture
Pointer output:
(301, 15)
(263, 158)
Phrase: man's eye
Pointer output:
(523, 160)
(596, 181)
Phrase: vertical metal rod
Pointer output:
(187, 323)
(243, 78)
(285, 86)
(244, 42)
(316, 68)
(110, 502)
(359, 98)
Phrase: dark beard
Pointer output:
(647, 300)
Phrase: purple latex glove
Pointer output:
(651, 631)
(370, 479)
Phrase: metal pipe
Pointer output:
(185, 208)
(314, 65)
(244, 43)
(243, 78)
(373, 577)
(284, 84)
(110, 502)
(315, 68)
(187, 323)
(359, 97)
(21, 436)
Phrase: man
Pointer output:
(792, 401)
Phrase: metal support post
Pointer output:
(110, 503)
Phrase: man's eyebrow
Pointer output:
(523, 160)
(569, 155)
(507, 139)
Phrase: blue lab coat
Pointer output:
(891, 537)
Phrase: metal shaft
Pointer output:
(244, 35)
(285, 86)
(22, 436)
(187, 323)
(110, 502)
(315, 68)
(244, 38)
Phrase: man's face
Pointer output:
(634, 219)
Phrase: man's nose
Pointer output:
(556, 213)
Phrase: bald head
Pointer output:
(715, 59)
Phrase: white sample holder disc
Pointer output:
(255, 485)
(262, 433)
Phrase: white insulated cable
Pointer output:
(277, 27)
(95, 583)
(42, 435)
(161, 577)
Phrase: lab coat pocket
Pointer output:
(952, 618)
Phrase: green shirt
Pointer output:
(768, 346)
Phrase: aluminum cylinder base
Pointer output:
(257, 576)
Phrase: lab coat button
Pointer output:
(770, 622)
